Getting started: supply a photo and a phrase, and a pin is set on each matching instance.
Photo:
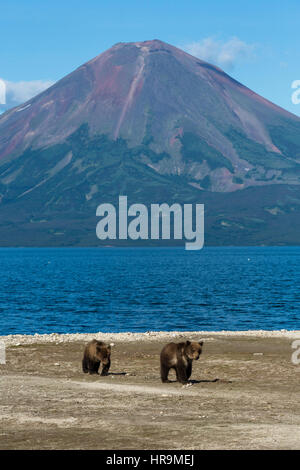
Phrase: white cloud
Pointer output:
(19, 92)
(225, 54)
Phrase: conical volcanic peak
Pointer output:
(150, 121)
(198, 121)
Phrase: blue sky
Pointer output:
(255, 42)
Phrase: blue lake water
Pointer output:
(140, 289)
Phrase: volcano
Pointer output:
(152, 122)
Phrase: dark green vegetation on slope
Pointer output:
(256, 153)
(58, 208)
(287, 138)
(196, 149)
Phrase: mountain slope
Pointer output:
(150, 121)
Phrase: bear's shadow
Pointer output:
(223, 381)
(117, 373)
(194, 382)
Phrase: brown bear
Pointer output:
(179, 356)
(96, 352)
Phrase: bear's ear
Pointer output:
(109, 347)
(187, 343)
(201, 343)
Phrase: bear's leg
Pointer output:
(85, 365)
(181, 372)
(189, 370)
(96, 366)
(93, 367)
(164, 372)
(105, 369)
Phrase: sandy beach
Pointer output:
(244, 393)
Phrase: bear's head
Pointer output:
(103, 353)
(193, 349)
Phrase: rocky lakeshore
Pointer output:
(243, 393)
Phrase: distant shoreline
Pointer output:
(19, 339)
